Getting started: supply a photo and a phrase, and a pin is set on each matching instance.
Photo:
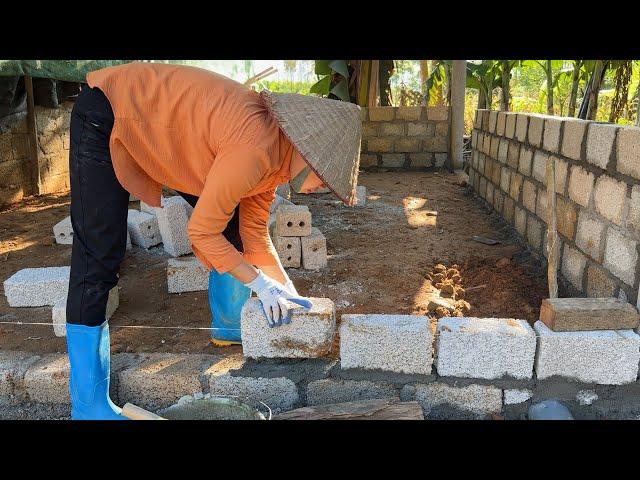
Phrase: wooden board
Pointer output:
(381, 409)
(580, 314)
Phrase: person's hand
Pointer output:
(273, 296)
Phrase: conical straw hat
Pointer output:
(326, 133)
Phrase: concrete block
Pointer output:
(420, 160)
(633, 217)
(608, 357)
(600, 137)
(279, 394)
(160, 379)
(420, 129)
(172, 223)
(567, 217)
(361, 194)
(536, 126)
(498, 200)
(520, 222)
(551, 141)
(442, 401)
(314, 250)
(621, 256)
(522, 124)
(396, 343)
(524, 162)
(487, 348)
(599, 282)
(610, 196)
(143, 229)
(589, 235)
(541, 205)
(562, 167)
(515, 186)
(508, 211)
(394, 160)
(496, 173)
(540, 160)
(59, 311)
(367, 160)
(36, 287)
(583, 314)
(407, 144)
(289, 250)
(580, 185)
(501, 123)
(515, 396)
(489, 196)
(47, 380)
(329, 391)
(477, 122)
(503, 150)
(186, 274)
(390, 129)
(513, 155)
(13, 367)
(505, 179)
(573, 265)
(535, 229)
(628, 151)
(572, 137)
(380, 144)
(293, 221)
(309, 335)
(493, 118)
(381, 114)
(441, 114)
(510, 127)
(494, 146)
(63, 231)
(284, 191)
(529, 195)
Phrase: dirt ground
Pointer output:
(379, 257)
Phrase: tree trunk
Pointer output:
(575, 83)
(439, 96)
(638, 107)
(505, 99)
(364, 78)
(592, 107)
(549, 73)
(386, 70)
(482, 99)
(424, 76)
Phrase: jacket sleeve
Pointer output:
(254, 229)
(236, 170)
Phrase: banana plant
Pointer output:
(333, 79)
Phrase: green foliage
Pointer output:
(333, 79)
(284, 86)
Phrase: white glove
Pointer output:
(273, 294)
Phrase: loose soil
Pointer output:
(379, 259)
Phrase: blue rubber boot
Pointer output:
(227, 296)
(89, 357)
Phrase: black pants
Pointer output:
(99, 207)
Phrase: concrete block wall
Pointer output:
(53, 155)
(404, 138)
(597, 188)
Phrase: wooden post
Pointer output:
(374, 88)
(34, 164)
(456, 119)
(552, 233)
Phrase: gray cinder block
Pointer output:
(329, 390)
(172, 222)
(485, 348)
(143, 229)
(279, 393)
(47, 380)
(289, 250)
(63, 231)
(36, 287)
(186, 275)
(59, 311)
(396, 343)
(310, 333)
(293, 221)
(314, 250)
(608, 357)
(475, 401)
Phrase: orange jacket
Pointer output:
(203, 134)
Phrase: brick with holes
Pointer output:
(314, 250)
(143, 228)
(289, 251)
(293, 221)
